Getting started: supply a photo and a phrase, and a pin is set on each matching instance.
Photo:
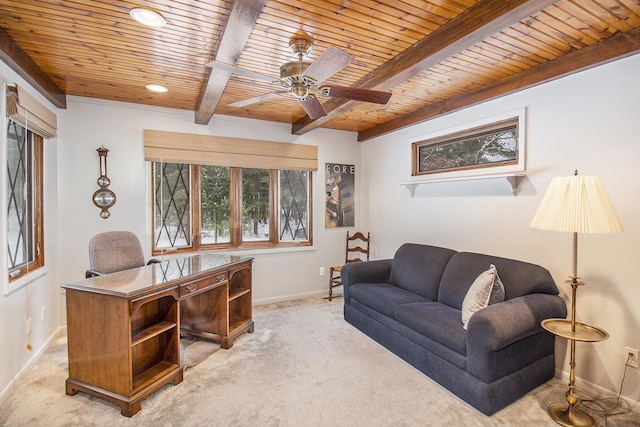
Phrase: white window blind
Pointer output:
(175, 147)
(26, 111)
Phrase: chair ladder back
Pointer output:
(356, 245)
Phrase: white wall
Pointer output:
(587, 121)
(87, 124)
(41, 290)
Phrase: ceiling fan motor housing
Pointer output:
(291, 77)
(290, 72)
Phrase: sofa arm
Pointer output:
(506, 336)
(377, 271)
(499, 325)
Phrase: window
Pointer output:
(25, 126)
(215, 193)
(294, 205)
(24, 201)
(219, 207)
(490, 146)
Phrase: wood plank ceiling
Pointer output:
(435, 56)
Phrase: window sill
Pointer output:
(265, 251)
(17, 284)
(244, 252)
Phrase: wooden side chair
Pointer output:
(356, 249)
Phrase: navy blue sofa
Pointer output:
(411, 304)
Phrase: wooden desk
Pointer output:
(124, 328)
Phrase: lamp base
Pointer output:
(570, 416)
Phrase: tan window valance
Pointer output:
(25, 110)
(175, 147)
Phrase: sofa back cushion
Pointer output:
(418, 268)
(519, 278)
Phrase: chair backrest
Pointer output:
(357, 247)
(115, 251)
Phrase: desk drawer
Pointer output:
(203, 284)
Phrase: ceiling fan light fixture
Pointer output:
(156, 88)
(147, 17)
(300, 91)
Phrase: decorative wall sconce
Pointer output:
(104, 198)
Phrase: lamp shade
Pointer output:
(578, 204)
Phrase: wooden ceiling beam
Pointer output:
(614, 48)
(18, 60)
(242, 18)
(473, 25)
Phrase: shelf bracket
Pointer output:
(411, 187)
(515, 181)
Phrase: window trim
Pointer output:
(518, 167)
(236, 243)
(38, 264)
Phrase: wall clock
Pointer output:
(103, 197)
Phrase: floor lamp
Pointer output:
(575, 204)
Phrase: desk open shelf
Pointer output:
(151, 332)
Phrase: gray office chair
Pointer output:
(114, 251)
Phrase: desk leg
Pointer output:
(227, 342)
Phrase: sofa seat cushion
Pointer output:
(436, 321)
(383, 297)
(400, 333)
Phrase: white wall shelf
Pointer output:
(514, 179)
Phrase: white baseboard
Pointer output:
(263, 301)
(32, 360)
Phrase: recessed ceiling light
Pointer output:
(157, 88)
(148, 17)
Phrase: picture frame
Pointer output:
(492, 146)
(339, 195)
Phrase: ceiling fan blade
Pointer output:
(313, 107)
(259, 98)
(327, 64)
(240, 71)
(356, 94)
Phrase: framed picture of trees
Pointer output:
(489, 147)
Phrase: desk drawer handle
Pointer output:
(191, 287)
(220, 277)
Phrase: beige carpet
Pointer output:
(303, 366)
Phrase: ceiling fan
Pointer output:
(301, 78)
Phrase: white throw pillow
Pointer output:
(487, 289)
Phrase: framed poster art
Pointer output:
(339, 195)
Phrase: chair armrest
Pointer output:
(92, 273)
(153, 261)
(377, 271)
